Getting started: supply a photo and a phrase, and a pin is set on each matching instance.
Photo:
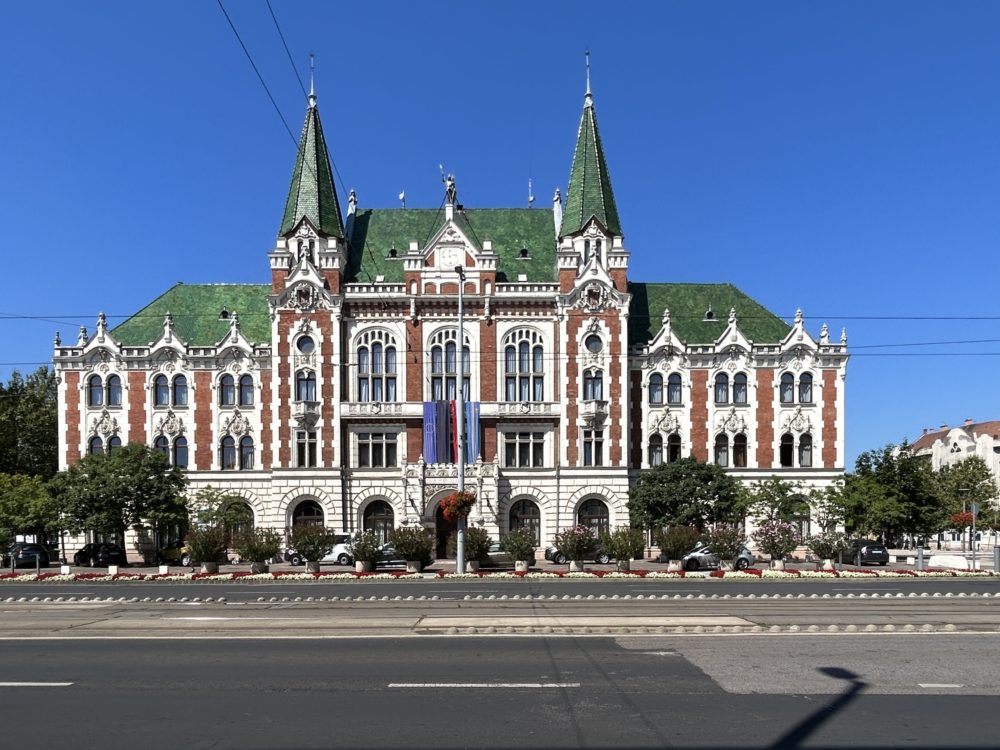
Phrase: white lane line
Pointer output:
(35, 684)
(484, 684)
(204, 619)
(659, 653)
(938, 685)
(687, 589)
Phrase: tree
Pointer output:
(774, 500)
(29, 421)
(133, 487)
(827, 505)
(966, 482)
(686, 492)
(26, 507)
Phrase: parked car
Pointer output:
(598, 556)
(864, 551)
(389, 557)
(174, 555)
(23, 554)
(701, 557)
(496, 557)
(100, 554)
(340, 554)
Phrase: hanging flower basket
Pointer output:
(458, 505)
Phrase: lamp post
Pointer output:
(460, 419)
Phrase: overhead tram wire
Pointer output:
(288, 52)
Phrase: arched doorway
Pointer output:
(444, 529)
(378, 517)
(308, 512)
(594, 515)
(524, 514)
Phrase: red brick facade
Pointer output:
(699, 414)
(765, 418)
(71, 409)
(203, 421)
(829, 419)
(137, 407)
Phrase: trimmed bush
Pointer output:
(677, 541)
(412, 543)
(576, 542)
(207, 544)
(258, 545)
(365, 547)
(519, 544)
(311, 541)
(624, 543)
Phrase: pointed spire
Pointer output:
(589, 195)
(312, 194)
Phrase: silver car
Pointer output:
(702, 558)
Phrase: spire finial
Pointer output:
(312, 79)
(586, 61)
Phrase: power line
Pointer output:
(287, 51)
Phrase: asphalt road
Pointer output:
(810, 692)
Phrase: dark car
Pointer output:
(23, 555)
(598, 556)
(100, 554)
(389, 557)
(865, 551)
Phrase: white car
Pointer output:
(340, 554)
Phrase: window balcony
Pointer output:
(306, 414)
(593, 410)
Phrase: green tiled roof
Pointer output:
(589, 194)
(195, 310)
(376, 231)
(688, 303)
(312, 194)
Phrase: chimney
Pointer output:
(944, 426)
(968, 421)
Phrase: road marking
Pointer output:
(484, 684)
(938, 685)
(660, 653)
(686, 589)
(203, 619)
(35, 684)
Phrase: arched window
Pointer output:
(307, 513)
(740, 451)
(444, 366)
(524, 514)
(674, 389)
(740, 388)
(239, 520)
(95, 447)
(722, 388)
(227, 453)
(162, 445)
(655, 450)
(786, 450)
(180, 390)
(95, 391)
(181, 453)
(246, 452)
(593, 385)
(227, 391)
(673, 448)
(806, 450)
(656, 389)
(114, 390)
(376, 353)
(305, 385)
(246, 390)
(379, 518)
(594, 515)
(786, 394)
(161, 391)
(805, 388)
(114, 443)
(722, 450)
(524, 357)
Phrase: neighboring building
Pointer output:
(947, 446)
(324, 395)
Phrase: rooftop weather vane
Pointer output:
(312, 78)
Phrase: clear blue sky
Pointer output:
(842, 157)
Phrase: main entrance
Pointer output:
(444, 529)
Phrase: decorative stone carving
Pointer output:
(595, 297)
(732, 421)
(104, 425)
(664, 421)
(304, 326)
(237, 424)
(797, 421)
(169, 425)
(305, 297)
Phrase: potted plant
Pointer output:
(828, 547)
(477, 546)
(313, 542)
(777, 539)
(258, 546)
(575, 543)
(457, 505)
(726, 542)
(414, 545)
(676, 542)
(207, 545)
(520, 544)
(365, 551)
(623, 544)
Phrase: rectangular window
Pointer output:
(593, 448)
(377, 450)
(524, 450)
(305, 443)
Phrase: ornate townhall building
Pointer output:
(327, 395)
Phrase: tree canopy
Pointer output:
(29, 442)
(26, 508)
(686, 492)
(774, 499)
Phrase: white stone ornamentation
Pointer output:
(237, 424)
(797, 421)
(732, 421)
(104, 425)
(664, 421)
(170, 424)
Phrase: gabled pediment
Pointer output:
(732, 337)
(449, 247)
(798, 338)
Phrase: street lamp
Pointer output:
(460, 419)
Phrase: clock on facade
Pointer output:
(451, 257)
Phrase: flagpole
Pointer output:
(460, 418)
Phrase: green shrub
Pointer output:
(365, 547)
(576, 542)
(725, 541)
(828, 546)
(258, 545)
(311, 541)
(477, 544)
(624, 543)
(677, 541)
(206, 543)
(412, 543)
(777, 538)
(519, 544)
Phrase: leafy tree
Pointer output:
(774, 500)
(130, 488)
(26, 507)
(828, 510)
(29, 442)
(966, 482)
(687, 493)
